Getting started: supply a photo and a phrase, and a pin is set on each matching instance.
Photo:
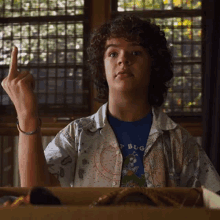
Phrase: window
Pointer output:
(181, 21)
(51, 36)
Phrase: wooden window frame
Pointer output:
(100, 11)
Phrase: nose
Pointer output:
(125, 59)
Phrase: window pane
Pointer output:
(27, 8)
(47, 48)
(140, 5)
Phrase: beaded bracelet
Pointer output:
(29, 133)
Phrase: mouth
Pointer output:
(124, 72)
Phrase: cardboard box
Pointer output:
(77, 200)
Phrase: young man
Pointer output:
(129, 141)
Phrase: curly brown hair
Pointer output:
(149, 36)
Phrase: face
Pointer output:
(121, 55)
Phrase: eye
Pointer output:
(110, 54)
(137, 52)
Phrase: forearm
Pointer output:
(32, 163)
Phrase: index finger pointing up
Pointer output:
(13, 67)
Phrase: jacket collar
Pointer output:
(161, 121)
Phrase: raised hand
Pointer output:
(19, 86)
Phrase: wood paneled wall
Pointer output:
(9, 159)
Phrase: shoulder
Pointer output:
(182, 134)
(181, 140)
(76, 125)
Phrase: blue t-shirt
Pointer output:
(132, 138)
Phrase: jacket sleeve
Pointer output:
(197, 168)
(61, 156)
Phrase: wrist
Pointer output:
(30, 124)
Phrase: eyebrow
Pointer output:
(116, 45)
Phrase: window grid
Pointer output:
(186, 98)
(54, 54)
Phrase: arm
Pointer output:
(32, 164)
(197, 168)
